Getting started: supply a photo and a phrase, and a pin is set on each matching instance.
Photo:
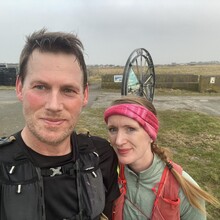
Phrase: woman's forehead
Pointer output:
(119, 119)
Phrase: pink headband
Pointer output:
(137, 112)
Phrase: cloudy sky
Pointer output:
(171, 30)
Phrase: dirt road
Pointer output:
(204, 104)
(11, 119)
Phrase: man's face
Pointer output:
(53, 97)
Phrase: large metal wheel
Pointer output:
(139, 76)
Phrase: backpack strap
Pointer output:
(117, 212)
(172, 189)
(85, 143)
(121, 178)
(160, 186)
(90, 186)
(7, 140)
(68, 168)
(168, 191)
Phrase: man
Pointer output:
(48, 172)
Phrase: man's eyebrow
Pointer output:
(39, 82)
(71, 86)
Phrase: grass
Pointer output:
(96, 72)
(7, 87)
(194, 139)
(211, 69)
(181, 92)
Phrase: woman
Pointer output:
(152, 186)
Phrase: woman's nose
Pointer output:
(120, 138)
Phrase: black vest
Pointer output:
(22, 189)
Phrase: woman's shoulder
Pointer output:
(189, 178)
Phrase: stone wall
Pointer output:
(191, 82)
(209, 84)
(108, 82)
(178, 81)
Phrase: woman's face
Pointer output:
(131, 142)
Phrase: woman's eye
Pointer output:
(112, 130)
(129, 129)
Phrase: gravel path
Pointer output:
(204, 104)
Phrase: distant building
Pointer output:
(3, 65)
(8, 74)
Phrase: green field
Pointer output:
(95, 72)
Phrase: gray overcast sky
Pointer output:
(171, 30)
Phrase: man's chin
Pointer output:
(52, 137)
(51, 140)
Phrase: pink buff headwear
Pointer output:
(137, 112)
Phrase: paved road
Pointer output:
(11, 118)
(204, 104)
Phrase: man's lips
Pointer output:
(52, 121)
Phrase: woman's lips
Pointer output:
(123, 151)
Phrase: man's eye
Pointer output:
(67, 90)
(40, 87)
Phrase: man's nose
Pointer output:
(54, 102)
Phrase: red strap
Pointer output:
(161, 184)
(121, 178)
(121, 171)
(173, 184)
(118, 205)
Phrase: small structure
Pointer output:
(7, 76)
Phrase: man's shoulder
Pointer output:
(8, 147)
(100, 141)
(97, 143)
(7, 140)
(87, 138)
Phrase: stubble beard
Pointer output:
(42, 134)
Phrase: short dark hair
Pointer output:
(54, 42)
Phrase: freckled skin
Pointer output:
(53, 97)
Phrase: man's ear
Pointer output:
(86, 95)
(19, 89)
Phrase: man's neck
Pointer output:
(44, 148)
